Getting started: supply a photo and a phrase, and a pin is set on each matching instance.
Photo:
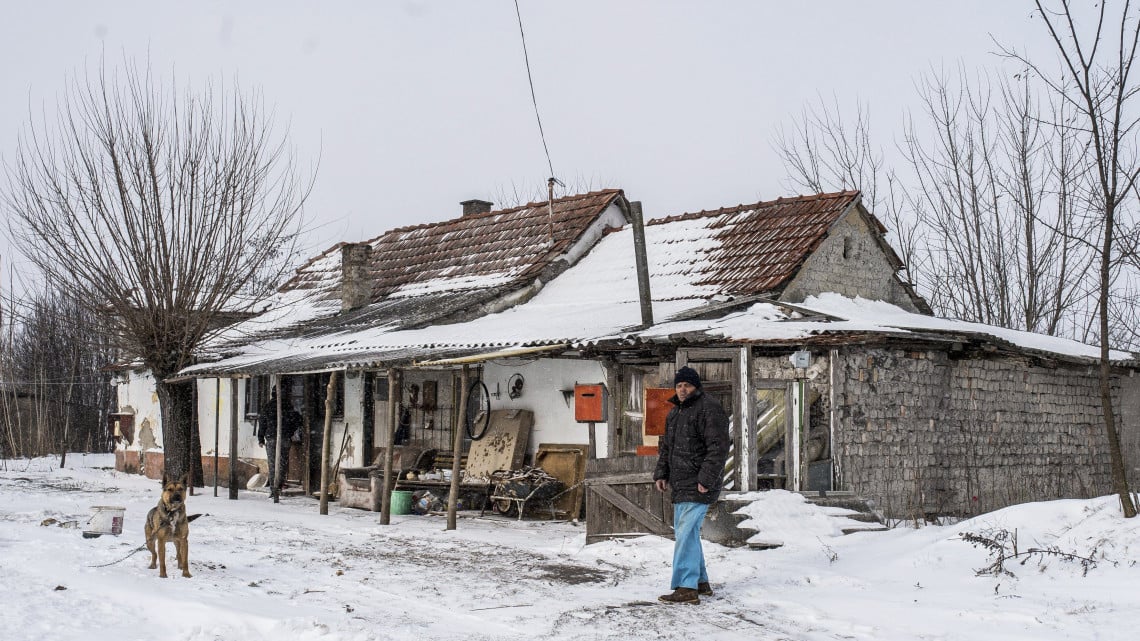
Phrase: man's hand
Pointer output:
(702, 489)
(661, 484)
(261, 442)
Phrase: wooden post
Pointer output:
(326, 442)
(233, 438)
(592, 449)
(277, 471)
(642, 264)
(456, 449)
(393, 416)
(217, 428)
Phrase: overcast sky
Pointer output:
(414, 106)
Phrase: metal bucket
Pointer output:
(401, 502)
(105, 519)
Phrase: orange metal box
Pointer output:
(590, 403)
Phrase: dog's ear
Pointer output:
(186, 479)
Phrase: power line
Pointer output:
(60, 383)
(533, 99)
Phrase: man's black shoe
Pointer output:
(704, 589)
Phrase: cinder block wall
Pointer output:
(850, 262)
(921, 432)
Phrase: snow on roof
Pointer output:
(597, 296)
(466, 252)
(887, 315)
(754, 248)
(837, 314)
(596, 302)
(481, 254)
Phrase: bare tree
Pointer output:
(1096, 82)
(993, 194)
(825, 152)
(56, 392)
(982, 197)
(157, 207)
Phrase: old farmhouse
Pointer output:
(835, 373)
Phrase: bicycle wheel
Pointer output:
(478, 410)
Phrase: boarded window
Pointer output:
(255, 395)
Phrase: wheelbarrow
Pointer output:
(515, 491)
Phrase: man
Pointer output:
(691, 461)
(267, 438)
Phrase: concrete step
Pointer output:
(853, 530)
(722, 526)
(859, 509)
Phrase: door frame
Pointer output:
(740, 405)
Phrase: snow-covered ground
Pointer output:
(273, 572)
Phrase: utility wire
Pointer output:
(60, 383)
(533, 99)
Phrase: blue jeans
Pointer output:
(688, 557)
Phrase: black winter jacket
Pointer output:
(694, 448)
(291, 425)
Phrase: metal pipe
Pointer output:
(550, 207)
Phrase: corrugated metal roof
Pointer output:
(757, 248)
(292, 362)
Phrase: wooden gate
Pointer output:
(621, 500)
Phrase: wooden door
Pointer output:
(723, 374)
(627, 383)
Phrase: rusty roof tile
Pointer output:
(762, 245)
(508, 244)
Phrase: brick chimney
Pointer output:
(472, 207)
(355, 285)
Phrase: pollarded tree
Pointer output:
(158, 207)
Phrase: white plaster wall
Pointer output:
(347, 449)
(136, 395)
(553, 416)
(210, 408)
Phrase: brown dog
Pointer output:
(167, 521)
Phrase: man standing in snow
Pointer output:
(267, 438)
(691, 461)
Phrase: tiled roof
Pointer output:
(430, 272)
(499, 248)
(752, 249)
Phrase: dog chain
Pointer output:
(132, 553)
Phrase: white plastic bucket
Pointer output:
(106, 519)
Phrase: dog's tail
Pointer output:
(190, 519)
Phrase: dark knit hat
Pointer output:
(688, 375)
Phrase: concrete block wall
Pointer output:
(921, 432)
(850, 262)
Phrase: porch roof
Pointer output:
(834, 319)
